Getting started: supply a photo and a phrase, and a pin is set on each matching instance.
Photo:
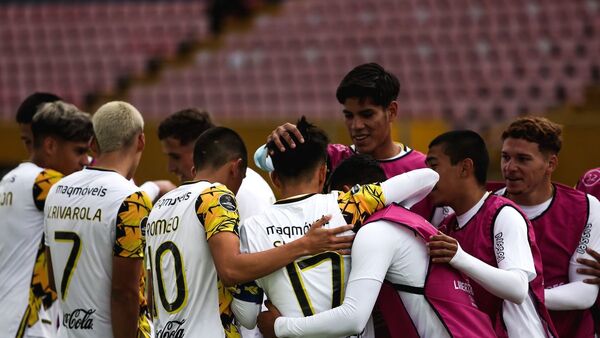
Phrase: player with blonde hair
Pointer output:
(94, 222)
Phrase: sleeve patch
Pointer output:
(216, 209)
(42, 184)
(131, 219)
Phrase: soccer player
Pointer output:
(437, 300)
(369, 96)
(177, 134)
(25, 114)
(94, 221)
(192, 238)
(566, 221)
(59, 143)
(488, 238)
(316, 283)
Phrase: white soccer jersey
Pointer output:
(254, 195)
(25, 295)
(189, 301)
(90, 217)
(310, 284)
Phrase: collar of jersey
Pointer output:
(294, 198)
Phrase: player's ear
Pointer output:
(49, 145)
(141, 142)
(392, 111)
(322, 174)
(193, 171)
(346, 188)
(94, 147)
(275, 179)
(552, 162)
(467, 167)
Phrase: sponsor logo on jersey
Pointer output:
(79, 319)
(227, 202)
(592, 178)
(172, 329)
(6, 198)
(168, 201)
(499, 247)
(81, 191)
(585, 239)
(289, 231)
(463, 286)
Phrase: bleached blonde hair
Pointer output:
(116, 125)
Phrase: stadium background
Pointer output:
(255, 64)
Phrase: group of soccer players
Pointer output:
(374, 239)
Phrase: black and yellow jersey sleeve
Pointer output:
(360, 202)
(42, 184)
(129, 240)
(217, 210)
(40, 292)
(227, 316)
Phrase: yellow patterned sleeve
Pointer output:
(42, 184)
(133, 213)
(360, 202)
(217, 210)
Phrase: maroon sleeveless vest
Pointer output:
(558, 232)
(476, 238)
(410, 161)
(448, 291)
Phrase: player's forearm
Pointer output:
(124, 312)
(410, 187)
(571, 296)
(348, 319)
(511, 285)
(242, 268)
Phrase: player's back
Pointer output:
(21, 204)
(183, 272)
(81, 215)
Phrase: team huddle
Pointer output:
(374, 239)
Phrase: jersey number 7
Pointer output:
(294, 271)
(67, 236)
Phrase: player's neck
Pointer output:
(118, 161)
(469, 197)
(39, 160)
(387, 150)
(535, 197)
(290, 190)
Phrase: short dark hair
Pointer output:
(62, 120)
(300, 161)
(31, 104)
(185, 125)
(356, 169)
(463, 144)
(540, 130)
(217, 146)
(369, 80)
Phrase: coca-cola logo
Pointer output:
(79, 319)
(172, 329)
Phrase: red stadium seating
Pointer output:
(74, 49)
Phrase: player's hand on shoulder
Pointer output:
(593, 267)
(319, 239)
(266, 320)
(442, 248)
(283, 134)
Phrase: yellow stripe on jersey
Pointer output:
(360, 202)
(144, 330)
(42, 184)
(227, 317)
(129, 240)
(216, 209)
